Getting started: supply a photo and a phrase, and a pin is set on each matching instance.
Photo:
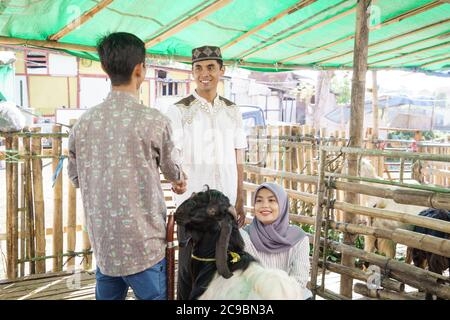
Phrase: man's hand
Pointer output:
(240, 212)
(179, 187)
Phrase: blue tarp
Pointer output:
(389, 101)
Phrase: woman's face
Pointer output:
(266, 206)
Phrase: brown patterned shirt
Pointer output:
(115, 152)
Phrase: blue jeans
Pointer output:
(149, 284)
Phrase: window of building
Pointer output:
(170, 88)
(37, 62)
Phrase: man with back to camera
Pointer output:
(115, 152)
(210, 138)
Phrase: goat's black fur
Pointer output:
(206, 217)
(421, 258)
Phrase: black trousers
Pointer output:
(184, 284)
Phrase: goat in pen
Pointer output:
(220, 268)
(385, 247)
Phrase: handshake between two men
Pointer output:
(179, 187)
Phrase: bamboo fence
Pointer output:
(316, 189)
(26, 233)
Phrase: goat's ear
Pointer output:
(232, 210)
(222, 249)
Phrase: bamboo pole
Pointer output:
(423, 198)
(356, 120)
(252, 51)
(297, 6)
(303, 196)
(270, 149)
(301, 160)
(71, 221)
(417, 282)
(426, 222)
(281, 154)
(29, 204)
(79, 20)
(383, 41)
(363, 276)
(57, 205)
(318, 222)
(36, 149)
(287, 165)
(411, 239)
(22, 233)
(87, 260)
(393, 154)
(411, 275)
(440, 281)
(308, 156)
(381, 293)
(413, 197)
(71, 215)
(314, 154)
(164, 33)
(12, 146)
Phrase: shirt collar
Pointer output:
(122, 95)
(204, 101)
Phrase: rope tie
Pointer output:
(12, 156)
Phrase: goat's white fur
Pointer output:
(255, 283)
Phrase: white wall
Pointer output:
(93, 91)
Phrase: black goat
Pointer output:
(421, 258)
(218, 259)
(210, 223)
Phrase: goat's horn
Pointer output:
(222, 249)
(232, 210)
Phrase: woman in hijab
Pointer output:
(271, 239)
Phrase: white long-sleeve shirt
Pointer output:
(206, 136)
(295, 261)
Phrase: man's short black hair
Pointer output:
(119, 53)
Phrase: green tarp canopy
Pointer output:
(258, 34)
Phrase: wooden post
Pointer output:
(71, 217)
(36, 150)
(29, 214)
(270, 148)
(375, 133)
(314, 152)
(280, 154)
(71, 223)
(87, 262)
(57, 204)
(318, 222)
(22, 220)
(286, 165)
(356, 124)
(308, 156)
(12, 197)
(301, 159)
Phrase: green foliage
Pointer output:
(400, 135)
(342, 88)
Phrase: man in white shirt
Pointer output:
(209, 136)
